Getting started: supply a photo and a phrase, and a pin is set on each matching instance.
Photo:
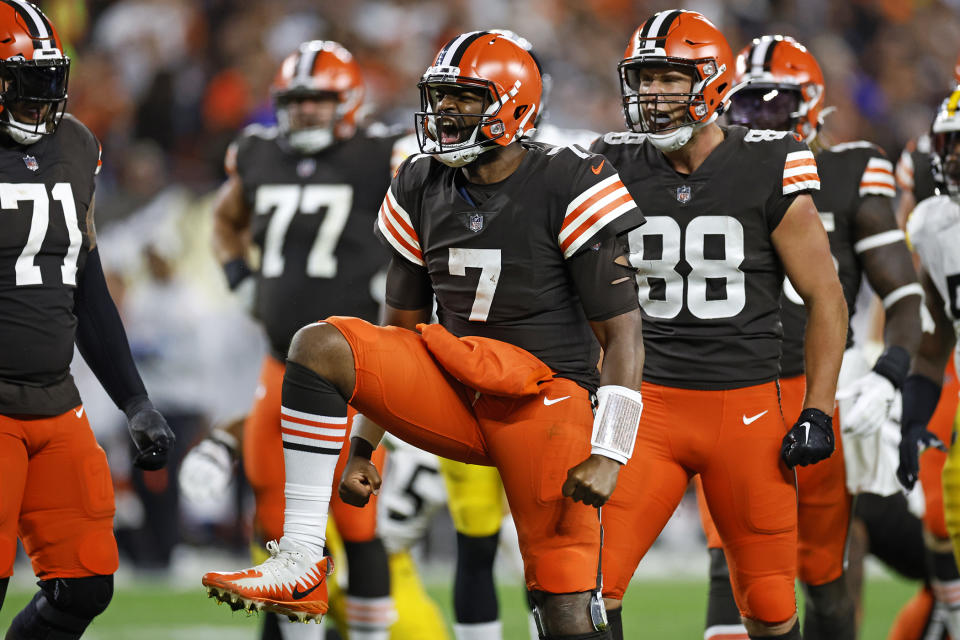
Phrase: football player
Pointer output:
(56, 495)
(933, 230)
(780, 88)
(524, 247)
(734, 213)
(305, 194)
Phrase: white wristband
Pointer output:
(365, 428)
(615, 423)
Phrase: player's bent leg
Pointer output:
(62, 609)
(370, 610)
(566, 616)
(830, 613)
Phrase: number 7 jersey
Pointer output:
(709, 276)
(499, 268)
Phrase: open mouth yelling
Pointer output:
(450, 130)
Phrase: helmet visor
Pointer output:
(35, 93)
(765, 108)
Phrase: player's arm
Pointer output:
(607, 288)
(921, 391)
(904, 175)
(102, 342)
(888, 265)
(801, 243)
(408, 303)
(207, 469)
(231, 226)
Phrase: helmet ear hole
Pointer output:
(519, 111)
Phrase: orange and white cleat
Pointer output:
(291, 582)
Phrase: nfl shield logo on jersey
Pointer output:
(476, 222)
(683, 193)
(31, 163)
(306, 167)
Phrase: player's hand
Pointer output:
(872, 396)
(206, 471)
(151, 435)
(809, 441)
(360, 480)
(592, 481)
(912, 444)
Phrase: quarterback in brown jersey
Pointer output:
(780, 88)
(305, 195)
(56, 495)
(733, 214)
(523, 246)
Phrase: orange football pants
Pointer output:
(56, 495)
(932, 460)
(533, 441)
(264, 467)
(732, 439)
(823, 502)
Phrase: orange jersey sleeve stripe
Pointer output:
(587, 229)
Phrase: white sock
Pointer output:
(298, 631)
(311, 446)
(370, 618)
(479, 631)
(726, 632)
(948, 594)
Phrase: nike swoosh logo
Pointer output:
(753, 419)
(807, 434)
(79, 412)
(548, 401)
(300, 595)
(596, 169)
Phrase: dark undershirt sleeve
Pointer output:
(606, 289)
(408, 285)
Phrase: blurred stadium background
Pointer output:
(166, 84)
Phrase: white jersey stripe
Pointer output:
(590, 231)
(590, 192)
(388, 234)
(800, 170)
(800, 186)
(879, 240)
(312, 417)
(800, 155)
(905, 171)
(37, 21)
(320, 431)
(452, 49)
(572, 226)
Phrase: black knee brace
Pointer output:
(593, 635)
(368, 569)
(615, 623)
(830, 613)
(62, 609)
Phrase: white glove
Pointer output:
(207, 471)
(870, 398)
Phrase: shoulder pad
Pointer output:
(381, 130)
(260, 131)
(933, 215)
(856, 144)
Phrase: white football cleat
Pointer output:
(291, 582)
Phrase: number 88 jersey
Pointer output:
(45, 191)
(709, 276)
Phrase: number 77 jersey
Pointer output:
(709, 276)
(497, 256)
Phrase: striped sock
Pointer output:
(370, 618)
(313, 426)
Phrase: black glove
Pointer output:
(913, 442)
(810, 440)
(151, 434)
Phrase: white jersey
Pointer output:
(934, 232)
(556, 136)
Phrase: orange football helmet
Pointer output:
(318, 69)
(683, 40)
(779, 85)
(34, 73)
(502, 72)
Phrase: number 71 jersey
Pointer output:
(709, 276)
(45, 191)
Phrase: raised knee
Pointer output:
(322, 348)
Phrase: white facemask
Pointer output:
(457, 157)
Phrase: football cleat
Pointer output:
(290, 582)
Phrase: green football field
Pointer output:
(661, 609)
